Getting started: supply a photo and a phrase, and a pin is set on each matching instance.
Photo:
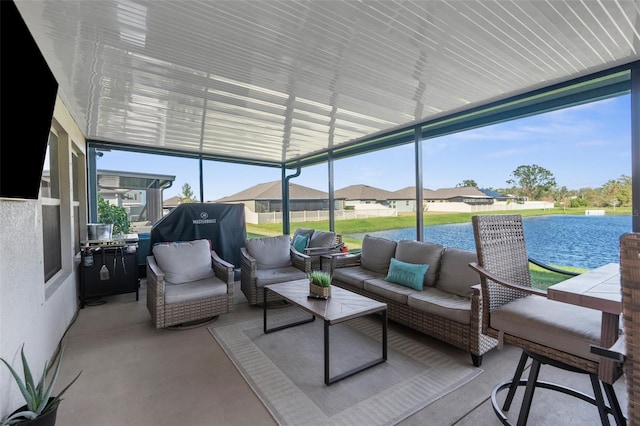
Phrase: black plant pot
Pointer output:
(47, 419)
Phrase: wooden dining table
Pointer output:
(598, 289)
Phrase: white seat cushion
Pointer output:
(322, 239)
(278, 275)
(442, 304)
(270, 252)
(420, 252)
(355, 275)
(194, 290)
(182, 262)
(455, 274)
(376, 254)
(396, 292)
(559, 325)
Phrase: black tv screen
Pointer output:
(27, 98)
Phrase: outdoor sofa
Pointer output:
(440, 302)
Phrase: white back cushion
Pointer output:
(270, 252)
(184, 262)
(322, 239)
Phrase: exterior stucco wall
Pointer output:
(31, 312)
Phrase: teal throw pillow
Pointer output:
(300, 243)
(407, 274)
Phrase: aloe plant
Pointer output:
(38, 397)
(320, 278)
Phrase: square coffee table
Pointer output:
(343, 305)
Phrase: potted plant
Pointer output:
(114, 215)
(41, 406)
(319, 283)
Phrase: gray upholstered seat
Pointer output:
(316, 243)
(269, 260)
(514, 312)
(186, 282)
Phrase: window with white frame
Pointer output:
(50, 195)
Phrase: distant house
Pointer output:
(463, 194)
(459, 199)
(170, 203)
(358, 195)
(267, 198)
(139, 193)
(501, 197)
(472, 199)
(404, 200)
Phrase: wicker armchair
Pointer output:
(547, 331)
(630, 281)
(187, 283)
(317, 244)
(269, 260)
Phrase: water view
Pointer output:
(579, 241)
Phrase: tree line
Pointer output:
(536, 183)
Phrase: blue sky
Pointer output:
(583, 146)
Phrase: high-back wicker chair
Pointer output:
(318, 244)
(187, 284)
(630, 281)
(547, 331)
(269, 260)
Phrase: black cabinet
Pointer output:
(108, 270)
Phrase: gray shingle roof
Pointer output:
(465, 191)
(409, 193)
(273, 191)
(171, 202)
(363, 192)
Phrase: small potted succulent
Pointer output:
(41, 406)
(319, 283)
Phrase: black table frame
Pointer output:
(328, 380)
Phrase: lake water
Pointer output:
(579, 241)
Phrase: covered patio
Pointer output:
(283, 85)
(136, 375)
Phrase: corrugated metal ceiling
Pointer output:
(275, 81)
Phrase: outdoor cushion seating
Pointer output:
(547, 331)
(187, 282)
(269, 260)
(445, 308)
(315, 243)
(627, 348)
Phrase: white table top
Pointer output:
(596, 289)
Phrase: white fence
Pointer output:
(497, 206)
(317, 215)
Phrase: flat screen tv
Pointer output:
(27, 98)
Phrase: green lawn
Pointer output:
(358, 226)
(541, 278)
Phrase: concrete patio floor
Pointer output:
(133, 374)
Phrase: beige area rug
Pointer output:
(286, 371)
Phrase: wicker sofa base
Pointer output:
(583, 364)
(256, 297)
(170, 314)
(178, 313)
(248, 279)
(464, 336)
